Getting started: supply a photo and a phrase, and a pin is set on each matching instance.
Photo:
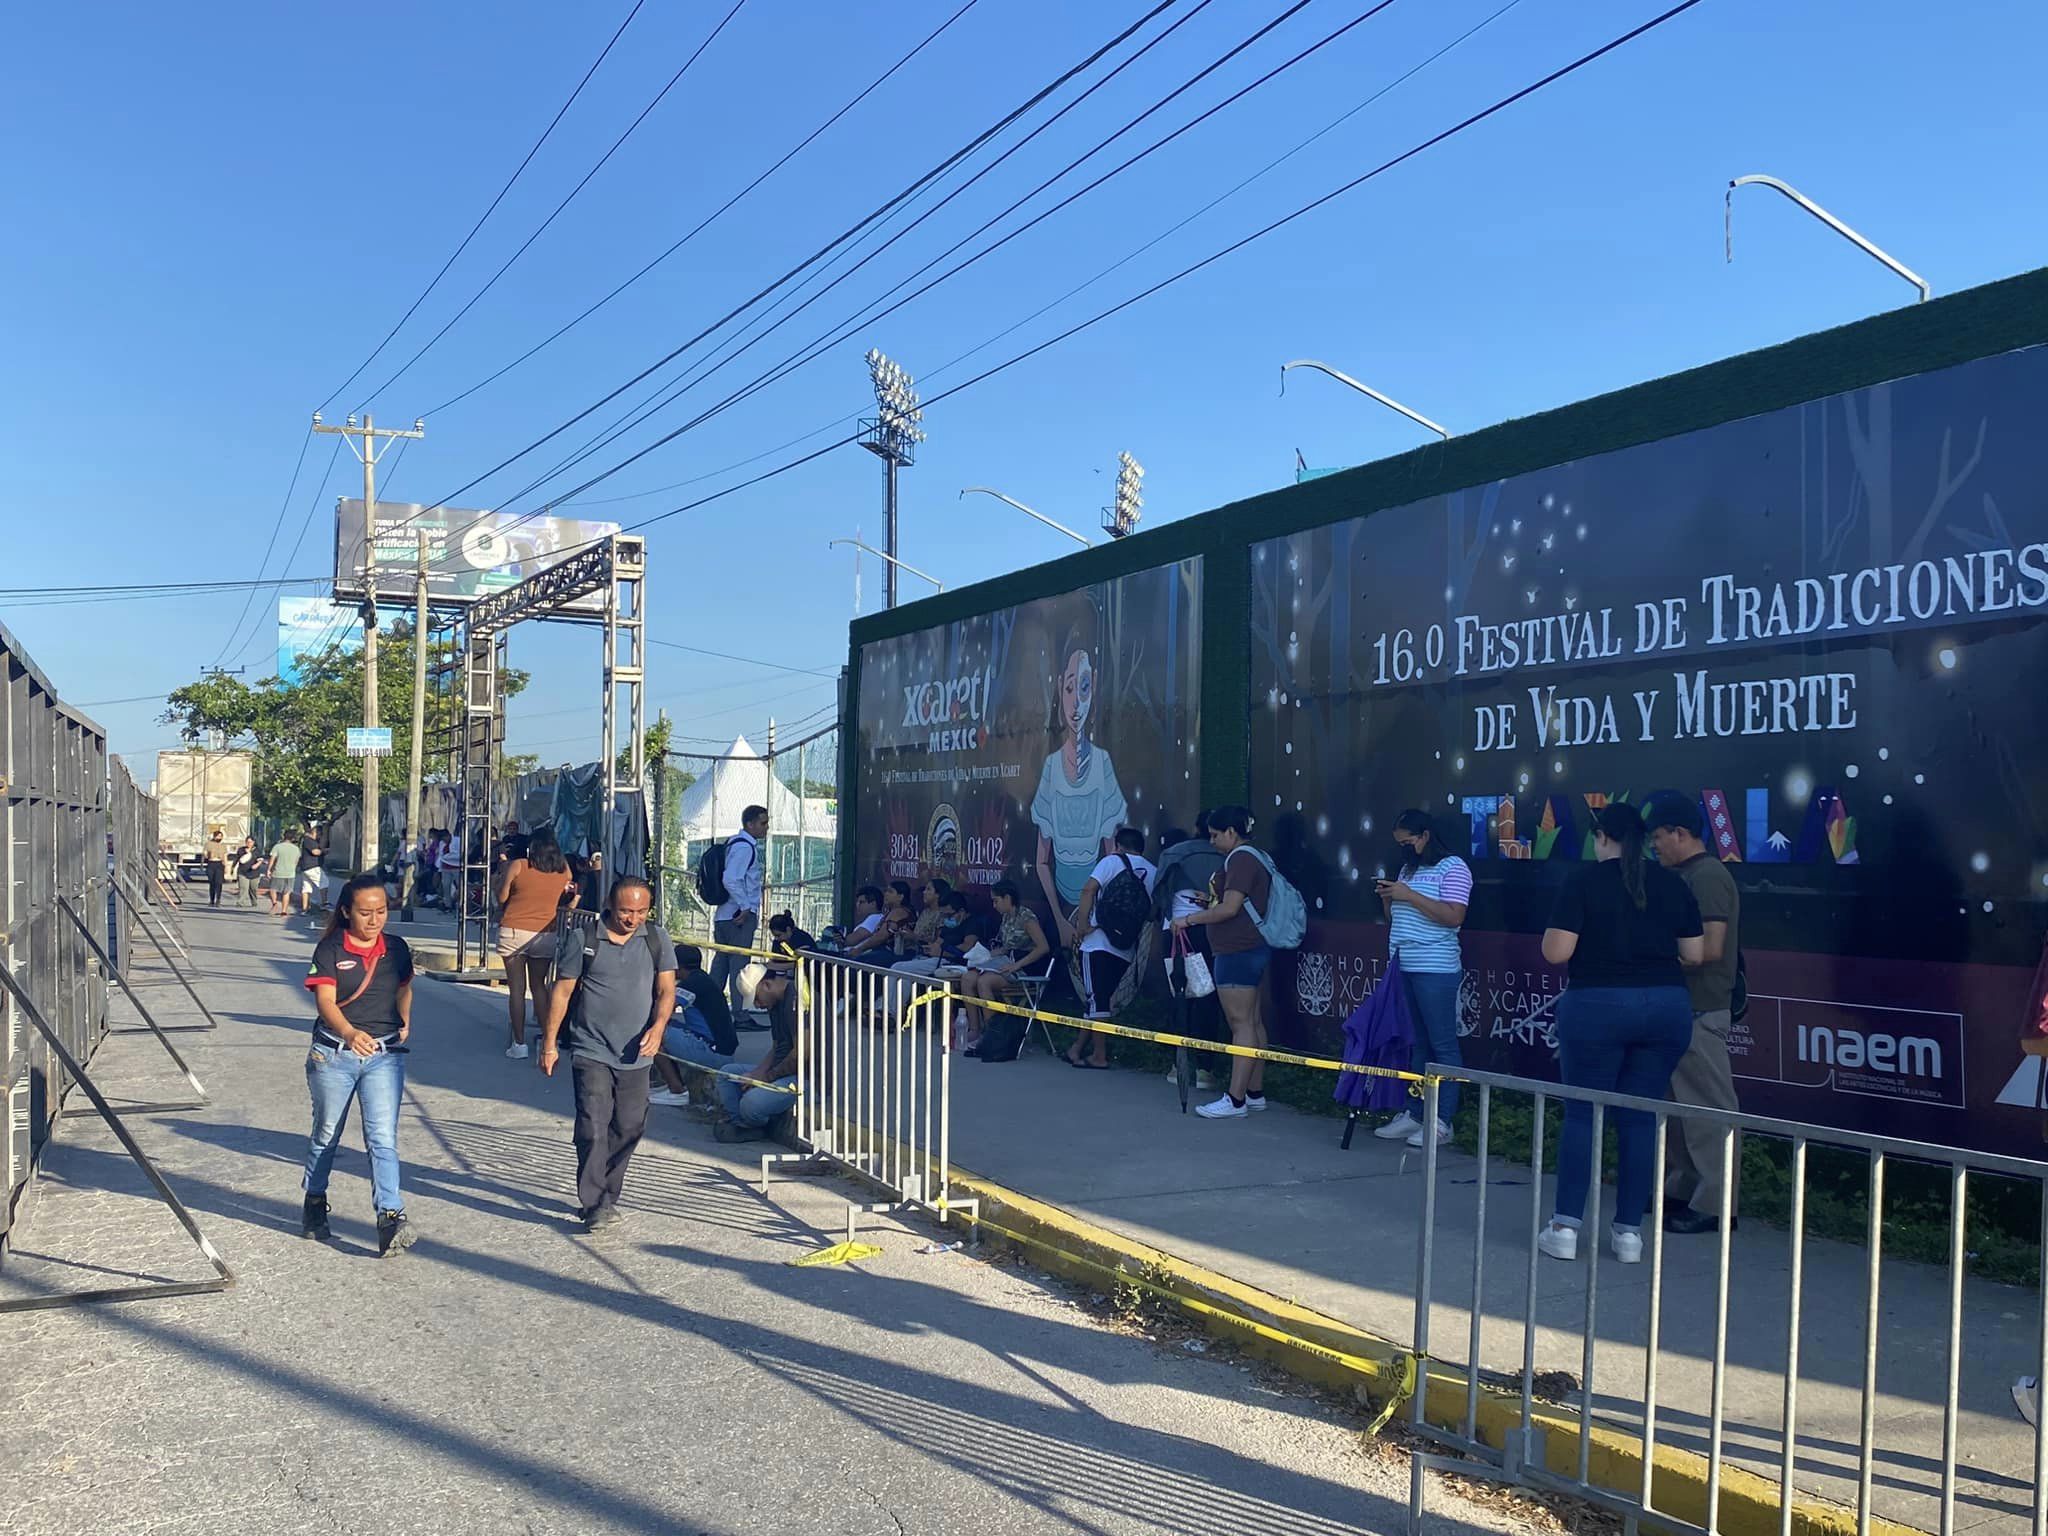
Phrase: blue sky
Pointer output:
(214, 215)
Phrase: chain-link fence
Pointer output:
(699, 798)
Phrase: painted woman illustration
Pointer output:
(1079, 804)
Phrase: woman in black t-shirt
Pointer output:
(361, 981)
(1621, 925)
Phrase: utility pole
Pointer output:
(419, 719)
(369, 432)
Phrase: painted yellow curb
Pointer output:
(1321, 1349)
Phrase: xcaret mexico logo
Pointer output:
(951, 713)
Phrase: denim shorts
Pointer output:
(1245, 969)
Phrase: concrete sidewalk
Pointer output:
(1271, 1201)
(510, 1375)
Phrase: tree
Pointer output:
(297, 730)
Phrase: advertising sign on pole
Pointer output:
(470, 554)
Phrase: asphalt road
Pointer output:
(512, 1375)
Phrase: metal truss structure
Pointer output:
(616, 568)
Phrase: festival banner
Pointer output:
(1013, 744)
(1826, 623)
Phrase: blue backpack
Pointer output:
(1284, 923)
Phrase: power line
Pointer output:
(276, 527)
(811, 351)
(257, 628)
(752, 661)
(822, 251)
(564, 203)
(1207, 261)
(808, 140)
(981, 346)
(670, 393)
(485, 215)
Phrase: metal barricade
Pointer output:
(1518, 1433)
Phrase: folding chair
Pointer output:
(1033, 986)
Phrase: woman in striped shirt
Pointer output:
(1426, 906)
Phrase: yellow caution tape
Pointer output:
(1410, 1373)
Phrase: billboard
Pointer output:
(306, 626)
(1012, 744)
(470, 554)
(1824, 622)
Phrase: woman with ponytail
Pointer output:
(1621, 927)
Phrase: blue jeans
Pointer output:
(1433, 1009)
(725, 968)
(1622, 1040)
(685, 1044)
(337, 1075)
(756, 1107)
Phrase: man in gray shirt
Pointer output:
(1705, 1075)
(615, 990)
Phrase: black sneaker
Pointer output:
(605, 1216)
(394, 1233)
(732, 1130)
(313, 1218)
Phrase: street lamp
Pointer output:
(1120, 520)
(1728, 227)
(1364, 389)
(981, 490)
(893, 563)
(891, 435)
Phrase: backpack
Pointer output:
(1284, 923)
(586, 936)
(711, 874)
(1123, 907)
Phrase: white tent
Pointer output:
(711, 807)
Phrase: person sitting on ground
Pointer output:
(868, 930)
(754, 1100)
(1104, 962)
(531, 892)
(700, 1031)
(1022, 945)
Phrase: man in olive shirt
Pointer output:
(1704, 1075)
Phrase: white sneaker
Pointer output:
(1173, 1076)
(1400, 1128)
(1254, 1101)
(1627, 1246)
(2025, 1397)
(1443, 1134)
(670, 1097)
(516, 1052)
(1222, 1109)
(1560, 1242)
(1209, 1082)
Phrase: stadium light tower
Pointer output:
(892, 436)
(1120, 521)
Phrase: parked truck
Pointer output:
(197, 792)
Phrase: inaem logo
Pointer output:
(1855, 1051)
(950, 711)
